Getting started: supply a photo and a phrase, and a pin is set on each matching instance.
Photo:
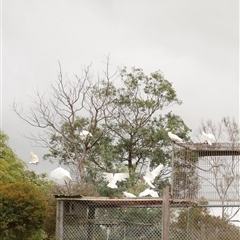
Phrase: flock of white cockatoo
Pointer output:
(208, 138)
(149, 178)
(113, 178)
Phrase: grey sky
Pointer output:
(194, 43)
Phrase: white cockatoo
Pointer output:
(84, 134)
(174, 137)
(113, 178)
(150, 176)
(148, 191)
(128, 195)
(34, 158)
(208, 137)
(60, 173)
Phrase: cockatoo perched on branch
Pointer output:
(208, 137)
(114, 178)
(174, 137)
(84, 134)
(150, 176)
(34, 158)
(128, 195)
(148, 191)
(60, 173)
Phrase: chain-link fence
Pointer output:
(203, 223)
(139, 218)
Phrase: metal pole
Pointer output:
(165, 214)
(172, 173)
(59, 220)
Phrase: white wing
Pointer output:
(144, 193)
(60, 173)
(120, 176)
(150, 176)
(157, 170)
(153, 193)
(84, 134)
(110, 179)
(204, 135)
(174, 137)
(128, 195)
(208, 137)
(113, 178)
(147, 192)
(108, 176)
(211, 137)
(34, 158)
(147, 180)
(112, 184)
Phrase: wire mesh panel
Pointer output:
(204, 171)
(108, 219)
(200, 223)
(103, 218)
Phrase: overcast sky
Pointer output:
(194, 43)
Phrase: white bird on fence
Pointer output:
(148, 191)
(174, 137)
(84, 134)
(60, 173)
(150, 176)
(208, 137)
(114, 178)
(34, 158)
(128, 195)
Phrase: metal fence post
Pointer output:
(59, 221)
(172, 166)
(165, 214)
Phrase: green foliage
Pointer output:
(11, 168)
(25, 199)
(23, 210)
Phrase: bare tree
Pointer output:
(225, 178)
(58, 113)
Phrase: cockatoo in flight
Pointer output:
(174, 137)
(84, 134)
(148, 191)
(34, 158)
(150, 176)
(128, 195)
(209, 138)
(60, 173)
(114, 178)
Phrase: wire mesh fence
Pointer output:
(201, 223)
(204, 171)
(104, 218)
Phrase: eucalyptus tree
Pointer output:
(137, 119)
(127, 113)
